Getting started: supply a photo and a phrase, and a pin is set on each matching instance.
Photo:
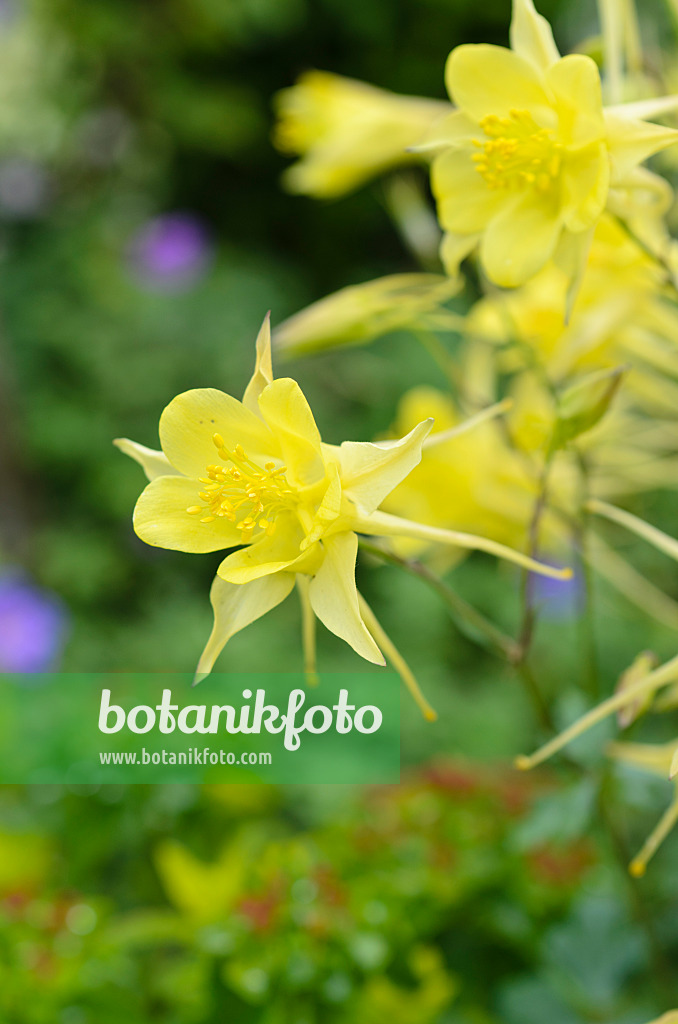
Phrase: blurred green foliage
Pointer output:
(421, 903)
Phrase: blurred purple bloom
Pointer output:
(171, 251)
(33, 626)
(557, 599)
(9, 11)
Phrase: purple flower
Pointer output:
(170, 251)
(33, 624)
(557, 599)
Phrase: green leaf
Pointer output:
(582, 405)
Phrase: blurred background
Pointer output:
(143, 236)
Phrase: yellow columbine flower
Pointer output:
(488, 479)
(472, 480)
(623, 314)
(530, 155)
(346, 132)
(255, 476)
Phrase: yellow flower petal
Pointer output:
(161, 519)
(531, 35)
(520, 240)
(575, 81)
(585, 184)
(465, 202)
(371, 471)
(263, 369)
(286, 411)
(451, 130)
(484, 79)
(334, 596)
(630, 142)
(190, 421)
(267, 555)
(153, 463)
(454, 248)
(236, 606)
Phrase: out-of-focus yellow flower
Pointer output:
(24, 862)
(202, 891)
(347, 132)
(360, 313)
(255, 475)
(475, 481)
(624, 313)
(488, 480)
(528, 158)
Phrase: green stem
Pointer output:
(586, 618)
(661, 969)
(441, 357)
(470, 621)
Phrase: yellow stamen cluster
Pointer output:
(243, 493)
(517, 153)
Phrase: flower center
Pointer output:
(243, 492)
(517, 152)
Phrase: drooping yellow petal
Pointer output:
(630, 142)
(161, 518)
(286, 411)
(483, 79)
(369, 472)
(153, 463)
(454, 248)
(585, 185)
(531, 36)
(236, 606)
(334, 597)
(575, 82)
(190, 421)
(466, 204)
(520, 239)
(263, 369)
(277, 553)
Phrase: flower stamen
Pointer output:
(244, 493)
(517, 152)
